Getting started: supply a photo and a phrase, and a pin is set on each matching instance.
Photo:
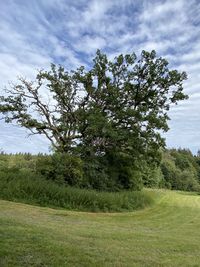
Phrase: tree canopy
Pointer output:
(116, 110)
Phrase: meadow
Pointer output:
(163, 234)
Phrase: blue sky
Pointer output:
(35, 33)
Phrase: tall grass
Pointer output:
(24, 186)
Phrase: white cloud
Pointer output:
(90, 44)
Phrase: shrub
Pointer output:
(113, 172)
(61, 168)
(153, 177)
(27, 187)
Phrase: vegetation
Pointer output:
(181, 170)
(104, 123)
(104, 126)
(167, 234)
(24, 186)
(48, 180)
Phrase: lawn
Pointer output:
(166, 234)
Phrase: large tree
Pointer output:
(117, 108)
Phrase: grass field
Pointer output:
(166, 234)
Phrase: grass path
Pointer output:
(167, 234)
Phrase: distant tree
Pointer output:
(115, 110)
(180, 170)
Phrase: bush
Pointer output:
(61, 168)
(27, 187)
(170, 173)
(123, 169)
(113, 172)
(153, 177)
(96, 175)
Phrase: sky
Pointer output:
(35, 33)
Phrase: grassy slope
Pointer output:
(166, 234)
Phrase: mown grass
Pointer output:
(166, 234)
(28, 188)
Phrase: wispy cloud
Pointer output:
(35, 33)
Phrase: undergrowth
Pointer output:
(27, 187)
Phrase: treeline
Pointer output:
(181, 170)
(178, 170)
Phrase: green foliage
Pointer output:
(61, 168)
(44, 167)
(95, 174)
(180, 170)
(19, 161)
(123, 169)
(153, 177)
(187, 181)
(68, 168)
(113, 172)
(26, 187)
(117, 109)
(169, 171)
